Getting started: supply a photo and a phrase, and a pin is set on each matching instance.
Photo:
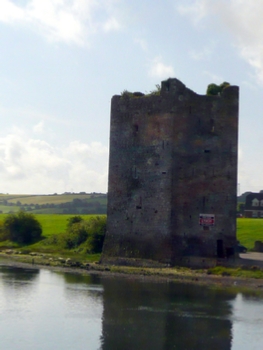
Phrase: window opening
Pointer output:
(220, 248)
(136, 127)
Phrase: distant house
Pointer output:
(254, 205)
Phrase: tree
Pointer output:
(22, 227)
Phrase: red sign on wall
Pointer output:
(206, 219)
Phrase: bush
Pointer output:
(76, 234)
(96, 235)
(3, 235)
(21, 227)
(73, 220)
(214, 89)
(87, 233)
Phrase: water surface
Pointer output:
(41, 309)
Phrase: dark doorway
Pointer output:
(220, 248)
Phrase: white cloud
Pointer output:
(196, 10)
(34, 166)
(10, 12)
(111, 24)
(39, 128)
(160, 70)
(142, 43)
(70, 21)
(242, 19)
(203, 54)
(213, 77)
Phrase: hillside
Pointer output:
(66, 203)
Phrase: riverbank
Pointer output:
(159, 274)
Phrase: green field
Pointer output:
(52, 224)
(249, 231)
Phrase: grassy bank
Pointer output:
(241, 279)
(53, 240)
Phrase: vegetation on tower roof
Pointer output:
(214, 90)
(128, 94)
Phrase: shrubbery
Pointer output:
(21, 227)
(214, 89)
(87, 235)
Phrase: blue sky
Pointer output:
(61, 61)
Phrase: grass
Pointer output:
(52, 225)
(7, 209)
(249, 231)
(245, 272)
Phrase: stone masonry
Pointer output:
(172, 174)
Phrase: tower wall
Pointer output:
(173, 157)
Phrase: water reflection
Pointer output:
(40, 309)
(83, 295)
(51, 314)
(247, 323)
(164, 316)
(18, 275)
(17, 282)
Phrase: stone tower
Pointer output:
(172, 174)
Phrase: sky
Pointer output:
(61, 61)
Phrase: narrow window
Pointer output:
(136, 127)
(212, 124)
(134, 172)
(220, 248)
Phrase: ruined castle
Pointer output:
(172, 174)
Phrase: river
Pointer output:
(46, 310)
